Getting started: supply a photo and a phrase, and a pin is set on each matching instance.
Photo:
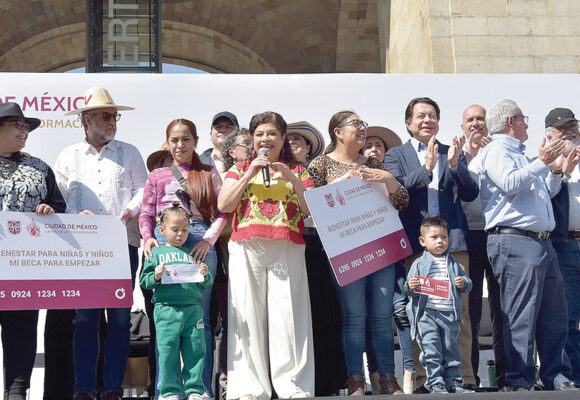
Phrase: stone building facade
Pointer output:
(317, 36)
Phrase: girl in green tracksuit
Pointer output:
(178, 313)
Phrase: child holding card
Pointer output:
(434, 319)
(178, 313)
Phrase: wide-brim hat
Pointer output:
(13, 110)
(390, 138)
(154, 157)
(97, 97)
(311, 134)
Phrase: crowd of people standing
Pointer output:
(476, 210)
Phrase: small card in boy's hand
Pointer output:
(433, 287)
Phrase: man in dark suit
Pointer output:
(562, 124)
(437, 179)
(221, 124)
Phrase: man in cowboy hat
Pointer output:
(101, 175)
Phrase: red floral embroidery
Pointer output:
(291, 210)
(269, 208)
(245, 208)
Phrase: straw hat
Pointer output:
(311, 134)
(389, 138)
(97, 97)
(154, 157)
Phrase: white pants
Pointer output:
(269, 321)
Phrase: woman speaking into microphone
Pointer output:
(269, 323)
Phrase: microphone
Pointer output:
(265, 169)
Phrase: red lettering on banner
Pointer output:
(30, 102)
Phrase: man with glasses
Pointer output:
(562, 124)
(515, 193)
(102, 176)
(437, 179)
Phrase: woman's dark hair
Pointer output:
(335, 121)
(199, 181)
(175, 209)
(229, 143)
(271, 117)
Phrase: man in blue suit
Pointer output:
(562, 124)
(437, 179)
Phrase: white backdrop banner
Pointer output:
(379, 99)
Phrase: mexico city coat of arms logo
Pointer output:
(14, 227)
(329, 200)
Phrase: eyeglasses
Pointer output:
(567, 127)
(247, 144)
(107, 116)
(20, 125)
(525, 118)
(357, 123)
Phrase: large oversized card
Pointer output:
(63, 261)
(359, 228)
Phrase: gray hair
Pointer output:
(549, 133)
(498, 114)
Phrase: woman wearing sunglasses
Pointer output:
(199, 196)
(370, 296)
(27, 184)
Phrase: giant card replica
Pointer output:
(63, 261)
(359, 228)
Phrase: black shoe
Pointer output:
(514, 389)
(473, 388)
(421, 390)
(567, 387)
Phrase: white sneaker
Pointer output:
(195, 396)
(299, 395)
(170, 397)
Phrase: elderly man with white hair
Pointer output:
(515, 192)
(562, 124)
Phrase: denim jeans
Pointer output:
(569, 259)
(197, 229)
(437, 336)
(86, 343)
(533, 305)
(375, 289)
(400, 301)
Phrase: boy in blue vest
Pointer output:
(435, 320)
(178, 313)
